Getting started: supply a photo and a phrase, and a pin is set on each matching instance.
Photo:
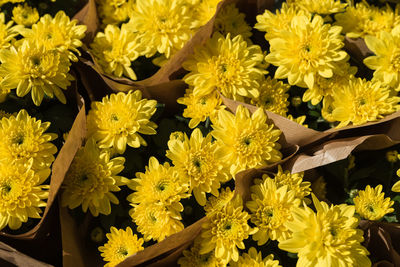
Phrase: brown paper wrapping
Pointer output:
(12, 257)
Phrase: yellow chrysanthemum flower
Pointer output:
(21, 193)
(294, 181)
(360, 102)
(154, 221)
(115, 11)
(255, 259)
(217, 203)
(386, 62)
(325, 86)
(275, 24)
(225, 231)
(309, 48)
(247, 140)
(328, 237)
(200, 162)
(193, 258)
(24, 138)
(91, 179)
(163, 25)
(228, 65)
(115, 49)
(363, 19)
(371, 203)
(323, 7)
(59, 33)
(25, 15)
(270, 208)
(392, 156)
(198, 108)
(33, 68)
(230, 20)
(160, 184)
(7, 31)
(273, 96)
(120, 245)
(118, 119)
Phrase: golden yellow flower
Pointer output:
(360, 102)
(270, 209)
(228, 65)
(273, 96)
(118, 119)
(25, 15)
(230, 20)
(309, 48)
(247, 140)
(294, 182)
(163, 25)
(254, 259)
(217, 203)
(363, 19)
(203, 10)
(371, 203)
(276, 23)
(31, 67)
(225, 230)
(116, 49)
(2, 2)
(59, 33)
(199, 108)
(392, 156)
(120, 245)
(200, 162)
(23, 138)
(91, 179)
(328, 237)
(154, 221)
(115, 11)
(7, 31)
(386, 61)
(21, 193)
(324, 7)
(160, 184)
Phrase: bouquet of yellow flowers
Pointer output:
(200, 132)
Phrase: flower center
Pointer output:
(122, 251)
(6, 188)
(114, 117)
(18, 139)
(162, 186)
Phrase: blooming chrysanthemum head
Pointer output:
(160, 184)
(154, 221)
(59, 33)
(163, 25)
(120, 245)
(359, 102)
(270, 209)
(91, 179)
(115, 11)
(199, 108)
(253, 258)
(21, 193)
(2, 2)
(309, 48)
(115, 49)
(31, 67)
(325, 86)
(294, 181)
(193, 258)
(248, 140)
(225, 231)
(228, 65)
(328, 237)
(276, 23)
(230, 20)
(25, 15)
(24, 138)
(273, 96)
(323, 7)
(118, 119)
(386, 61)
(200, 162)
(371, 203)
(363, 19)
